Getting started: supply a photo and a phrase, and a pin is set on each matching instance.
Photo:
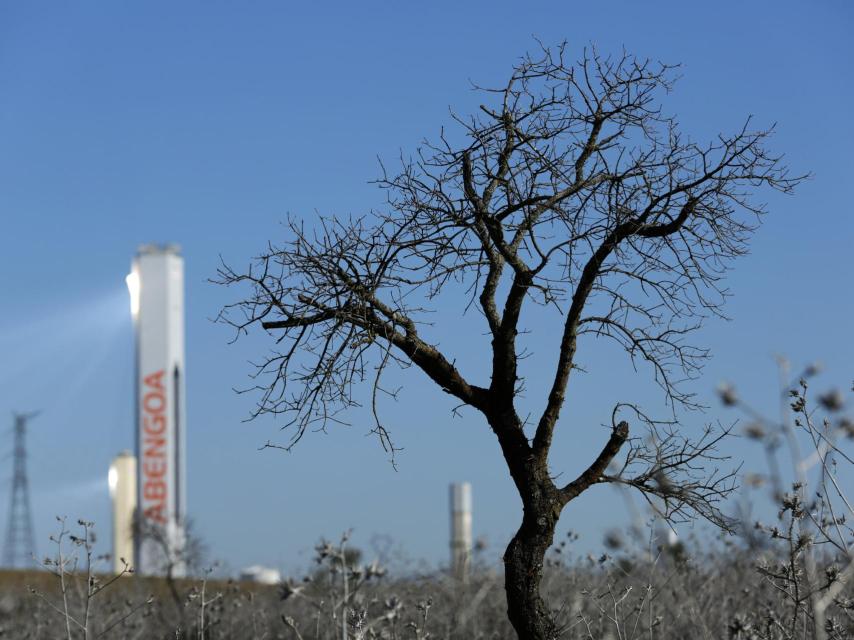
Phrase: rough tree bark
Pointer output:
(542, 505)
(571, 191)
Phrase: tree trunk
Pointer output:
(523, 572)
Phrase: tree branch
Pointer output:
(595, 471)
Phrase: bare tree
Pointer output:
(572, 190)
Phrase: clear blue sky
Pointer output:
(207, 123)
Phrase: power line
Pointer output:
(19, 548)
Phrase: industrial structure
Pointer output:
(461, 539)
(19, 547)
(123, 488)
(148, 489)
(156, 286)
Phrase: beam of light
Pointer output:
(75, 495)
(67, 354)
(132, 280)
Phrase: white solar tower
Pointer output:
(461, 539)
(122, 481)
(156, 285)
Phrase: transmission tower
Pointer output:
(19, 547)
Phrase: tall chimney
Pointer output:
(461, 542)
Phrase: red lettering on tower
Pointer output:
(154, 460)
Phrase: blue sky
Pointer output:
(206, 124)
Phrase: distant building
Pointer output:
(261, 575)
(461, 537)
(156, 285)
(122, 481)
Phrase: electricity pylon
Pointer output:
(19, 548)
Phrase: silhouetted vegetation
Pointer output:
(571, 191)
(785, 577)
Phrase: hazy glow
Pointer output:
(133, 287)
(113, 479)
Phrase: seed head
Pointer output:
(727, 394)
(832, 400)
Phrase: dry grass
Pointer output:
(790, 579)
(625, 594)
